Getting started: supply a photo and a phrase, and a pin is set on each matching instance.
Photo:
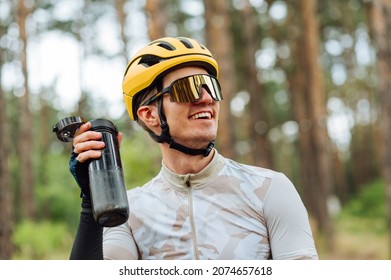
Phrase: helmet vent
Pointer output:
(150, 60)
(166, 45)
(186, 42)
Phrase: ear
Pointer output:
(149, 115)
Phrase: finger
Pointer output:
(88, 155)
(83, 128)
(87, 136)
(82, 147)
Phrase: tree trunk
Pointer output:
(381, 25)
(363, 144)
(82, 108)
(309, 108)
(157, 18)
(121, 16)
(219, 42)
(262, 151)
(44, 143)
(25, 134)
(6, 217)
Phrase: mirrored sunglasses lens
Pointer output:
(188, 89)
(184, 90)
(213, 87)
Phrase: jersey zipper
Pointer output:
(191, 217)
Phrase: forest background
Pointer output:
(305, 88)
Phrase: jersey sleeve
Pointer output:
(290, 234)
(118, 243)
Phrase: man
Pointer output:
(200, 205)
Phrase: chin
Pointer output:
(205, 140)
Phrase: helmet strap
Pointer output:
(166, 137)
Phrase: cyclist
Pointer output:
(200, 205)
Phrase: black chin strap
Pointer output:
(166, 137)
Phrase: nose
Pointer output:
(205, 96)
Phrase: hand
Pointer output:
(87, 144)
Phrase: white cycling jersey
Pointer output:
(227, 211)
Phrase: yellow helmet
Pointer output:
(158, 58)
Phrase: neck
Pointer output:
(182, 163)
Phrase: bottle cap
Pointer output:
(103, 125)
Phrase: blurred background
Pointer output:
(305, 87)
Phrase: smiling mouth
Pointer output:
(203, 115)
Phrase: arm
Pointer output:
(290, 234)
(88, 240)
(119, 244)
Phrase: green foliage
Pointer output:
(370, 202)
(42, 240)
(141, 159)
(58, 196)
(369, 207)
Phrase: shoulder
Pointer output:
(146, 187)
(260, 181)
(252, 170)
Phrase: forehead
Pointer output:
(182, 72)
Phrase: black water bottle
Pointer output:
(107, 187)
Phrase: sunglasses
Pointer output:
(189, 89)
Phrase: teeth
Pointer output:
(201, 115)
